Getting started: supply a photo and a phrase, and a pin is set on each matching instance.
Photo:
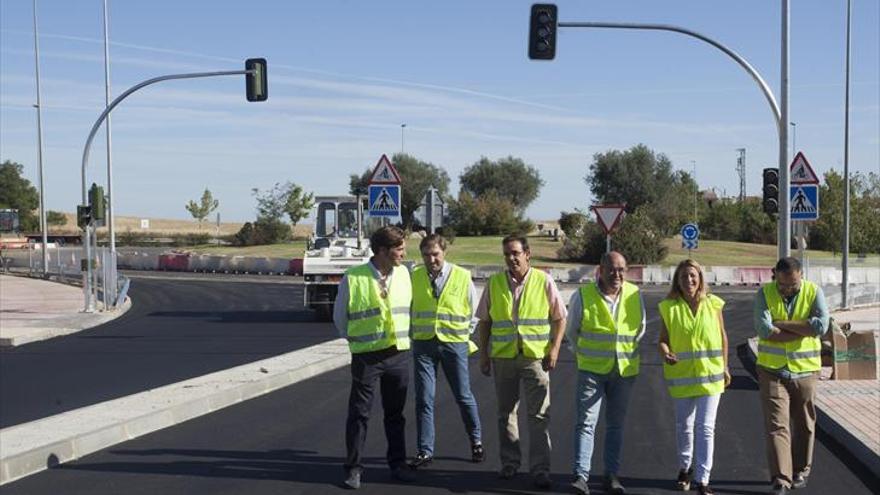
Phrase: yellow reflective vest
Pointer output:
(697, 343)
(533, 322)
(447, 317)
(800, 355)
(376, 322)
(602, 340)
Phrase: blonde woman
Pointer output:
(693, 344)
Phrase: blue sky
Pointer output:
(344, 75)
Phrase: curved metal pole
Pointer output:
(780, 116)
(87, 275)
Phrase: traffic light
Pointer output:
(771, 191)
(83, 216)
(97, 202)
(256, 80)
(542, 32)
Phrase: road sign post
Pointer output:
(690, 236)
(803, 199)
(384, 190)
(609, 217)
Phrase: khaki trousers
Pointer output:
(790, 421)
(536, 382)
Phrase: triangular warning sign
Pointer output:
(609, 216)
(384, 172)
(384, 202)
(800, 202)
(800, 171)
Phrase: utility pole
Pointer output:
(696, 189)
(39, 106)
(741, 170)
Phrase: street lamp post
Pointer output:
(44, 227)
(402, 127)
(793, 137)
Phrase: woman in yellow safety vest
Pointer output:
(693, 344)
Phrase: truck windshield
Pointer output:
(327, 220)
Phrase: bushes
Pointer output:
(638, 239)
(263, 231)
(488, 214)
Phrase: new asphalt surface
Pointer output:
(291, 441)
(178, 328)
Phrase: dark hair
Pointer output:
(433, 239)
(788, 265)
(521, 239)
(387, 237)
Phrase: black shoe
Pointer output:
(478, 454)
(542, 480)
(403, 473)
(779, 490)
(800, 481)
(613, 485)
(507, 472)
(421, 459)
(352, 479)
(683, 482)
(704, 489)
(580, 487)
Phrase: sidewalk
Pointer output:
(33, 309)
(849, 410)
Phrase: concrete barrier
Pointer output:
(295, 267)
(724, 275)
(750, 275)
(174, 262)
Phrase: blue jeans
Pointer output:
(453, 357)
(591, 390)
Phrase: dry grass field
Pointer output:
(166, 226)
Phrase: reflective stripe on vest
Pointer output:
(799, 356)
(374, 322)
(533, 323)
(449, 317)
(603, 342)
(697, 343)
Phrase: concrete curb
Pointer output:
(32, 447)
(826, 422)
(64, 326)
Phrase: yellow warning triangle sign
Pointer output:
(800, 171)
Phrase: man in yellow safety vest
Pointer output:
(372, 312)
(444, 300)
(791, 316)
(606, 323)
(522, 318)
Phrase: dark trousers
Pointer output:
(390, 368)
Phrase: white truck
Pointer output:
(337, 243)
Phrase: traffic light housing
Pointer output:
(771, 191)
(83, 216)
(97, 202)
(542, 31)
(256, 80)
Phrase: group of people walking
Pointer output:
(521, 322)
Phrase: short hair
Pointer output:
(788, 265)
(521, 239)
(387, 237)
(675, 291)
(433, 240)
(605, 259)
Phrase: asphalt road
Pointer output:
(178, 328)
(291, 442)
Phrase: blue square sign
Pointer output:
(384, 200)
(804, 202)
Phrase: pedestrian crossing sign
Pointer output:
(384, 200)
(804, 202)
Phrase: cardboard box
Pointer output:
(855, 356)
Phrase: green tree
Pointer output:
(827, 232)
(637, 238)
(203, 208)
(416, 177)
(56, 218)
(18, 193)
(282, 200)
(489, 214)
(638, 177)
(509, 178)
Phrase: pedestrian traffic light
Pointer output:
(542, 32)
(771, 191)
(83, 216)
(97, 202)
(256, 81)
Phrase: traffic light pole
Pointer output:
(780, 115)
(87, 275)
